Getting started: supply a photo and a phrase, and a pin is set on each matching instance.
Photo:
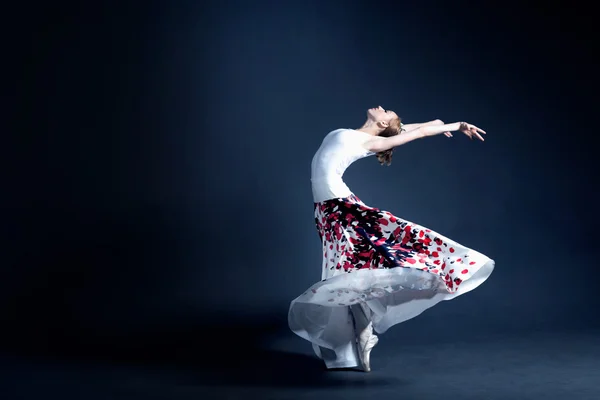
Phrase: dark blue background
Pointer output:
(157, 159)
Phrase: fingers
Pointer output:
(478, 129)
(473, 133)
(471, 127)
(447, 134)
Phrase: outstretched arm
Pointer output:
(379, 143)
(410, 127)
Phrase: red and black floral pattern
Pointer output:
(356, 236)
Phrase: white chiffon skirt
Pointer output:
(398, 268)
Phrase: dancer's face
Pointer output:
(381, 116)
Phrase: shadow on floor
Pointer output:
(266, 368)
(194, 358)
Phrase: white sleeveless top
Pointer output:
(339, 149)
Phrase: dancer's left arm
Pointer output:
(410, 127)
(379, 143)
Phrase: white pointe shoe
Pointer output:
(366, 341)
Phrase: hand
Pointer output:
(470, 130)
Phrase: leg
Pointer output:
(363, 326)
(339, 333)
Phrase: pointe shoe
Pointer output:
(366, 341)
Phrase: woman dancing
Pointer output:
(378, 269)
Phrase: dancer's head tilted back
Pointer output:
(385, 123)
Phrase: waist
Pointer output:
(326, 178)
(329, 187)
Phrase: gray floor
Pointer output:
(523, 367)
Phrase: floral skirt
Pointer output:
(371, 256)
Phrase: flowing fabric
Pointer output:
(370, 256)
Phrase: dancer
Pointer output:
(378, 269)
